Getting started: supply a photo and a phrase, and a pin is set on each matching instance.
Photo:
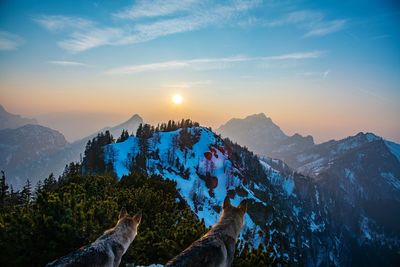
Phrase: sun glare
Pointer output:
(177, 99)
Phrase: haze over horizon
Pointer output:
(328, 70)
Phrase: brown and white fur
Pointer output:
(217, 246)
(108, 249)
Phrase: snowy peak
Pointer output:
(198, 161)
(288, 212)
(207, 168)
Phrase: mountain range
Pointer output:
(310, 204)
(358, 175)
(33, 151)
(297, 219)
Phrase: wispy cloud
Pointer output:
(155, 8)
(56, 23)
(314, 74)
(67, 63)
(383, 36)
(208, 63)
(83, 40)
(152, 19)
(86, 34)
(191, 84)
(9, 41)
(295, 17)
(312, 22)
(326, 28)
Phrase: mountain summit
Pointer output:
(259, 133)
(9, 120)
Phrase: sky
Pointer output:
(325, 68)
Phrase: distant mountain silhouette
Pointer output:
(25, 151)
(262, 136)
(76, 125)
(33, 151)
(9, 120)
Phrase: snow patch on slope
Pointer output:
(391, 179)
(394, 149)
(276, 178)
(194, 160)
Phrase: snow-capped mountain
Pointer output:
(9, 120)
(287, 213)
(263, 136)
(361, 176)
(357, 176)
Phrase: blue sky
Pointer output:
(326, 68)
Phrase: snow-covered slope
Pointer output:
(394, 148)
(285, 213)
(206, 161)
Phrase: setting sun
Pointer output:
(177, 99)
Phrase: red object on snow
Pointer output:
(213, 150)
(208, 155)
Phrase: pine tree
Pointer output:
(3, 189)
(26, 193)
(124, 136)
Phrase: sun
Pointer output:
(177, 99)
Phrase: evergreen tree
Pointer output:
(124, 136)
(26, 193)
(93, 161)
(3, 189)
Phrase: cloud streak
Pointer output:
(312, 22)
(208, 63)
(9, 41)
(326, 28)
(86, 34)
(147, 20)
(57, 23)
(191, 84)
(155, 8)
(67, 63)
